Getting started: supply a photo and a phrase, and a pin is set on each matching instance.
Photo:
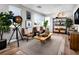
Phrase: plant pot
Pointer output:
(3, 44)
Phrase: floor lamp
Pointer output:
(17, 20)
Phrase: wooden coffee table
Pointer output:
(43, 39)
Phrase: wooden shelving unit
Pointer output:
(59, 25)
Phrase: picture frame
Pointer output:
(28, 15)
(28, 24)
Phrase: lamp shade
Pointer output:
(17, 19)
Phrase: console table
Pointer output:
(74, 41)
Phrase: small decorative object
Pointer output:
(60, 14)
(76, 27)
(35, 23)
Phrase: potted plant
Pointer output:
(45, 24)
(5, 22)
(68, 23)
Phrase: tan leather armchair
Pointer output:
(26, 34)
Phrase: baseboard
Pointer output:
(3, 50)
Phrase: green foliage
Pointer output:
(5, 21)
(69, 23)
(45, 23)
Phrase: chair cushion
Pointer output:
(26, 31)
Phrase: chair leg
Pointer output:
(27, 39)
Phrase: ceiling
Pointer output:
(48, 9)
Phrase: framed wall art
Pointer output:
(28, 24)
(28, 15)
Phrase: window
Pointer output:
(38, 19)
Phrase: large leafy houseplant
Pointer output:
(5, 22)
(45, 24)
(68, 23)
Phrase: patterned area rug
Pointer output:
(54, 46)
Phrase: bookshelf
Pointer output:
(59, 25)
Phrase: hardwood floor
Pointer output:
(34, 47)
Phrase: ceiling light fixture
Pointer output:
(39, 7)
